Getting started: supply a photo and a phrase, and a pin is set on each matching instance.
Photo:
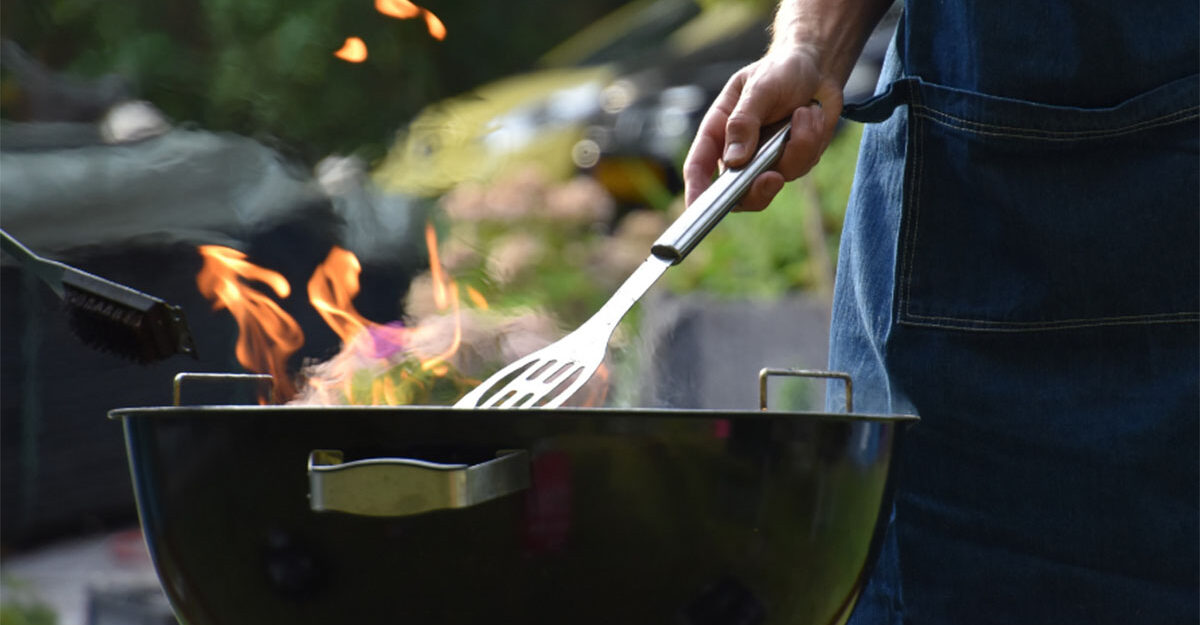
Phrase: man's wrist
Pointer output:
(830, 33)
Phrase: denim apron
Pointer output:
(1020, 266)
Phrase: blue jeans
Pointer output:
(1026, 278)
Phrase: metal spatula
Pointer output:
(548, 377)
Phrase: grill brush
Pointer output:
(107, 315)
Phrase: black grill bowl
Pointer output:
(629, 516)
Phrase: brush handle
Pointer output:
(717, 200)
(49, 271)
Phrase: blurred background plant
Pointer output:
(19, 605)
(526, 240)
(455, 122)
(265, 68)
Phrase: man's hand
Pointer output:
(814, 44)
(785, 82)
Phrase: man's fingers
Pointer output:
(705, 153)
(805, 143)
(742, 120)
(762, 191)
(741, 131)
(697, 176)
(702, 158)
(770, 89)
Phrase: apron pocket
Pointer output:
(1027, 217)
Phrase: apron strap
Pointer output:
(879, 107)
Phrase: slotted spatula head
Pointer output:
(546, 378)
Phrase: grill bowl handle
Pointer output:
(805, 373)
(396, 487)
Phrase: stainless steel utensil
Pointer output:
(548, 377)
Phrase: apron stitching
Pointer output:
(1055, 135)
(1036, 326)
(1172, 315)
(914, 217)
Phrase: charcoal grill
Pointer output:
(288, 514)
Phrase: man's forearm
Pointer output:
(833, 31)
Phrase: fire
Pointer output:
(267, 336)
(331, 289)
(436, 28)
(477, 298)
(378, 364)
(353, 51)
(399, 9)
(445, 295)
(595, 393)
(403, 9)
(367, 370)
(435, 363)
(440, 286)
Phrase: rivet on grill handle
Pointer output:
(804, 373)
(395, 487)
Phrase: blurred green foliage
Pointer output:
(20, 606)
(27, 614)
(570, 264)
(528, 241)
(266, 68)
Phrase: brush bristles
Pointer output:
(106, 309)
(141, 335)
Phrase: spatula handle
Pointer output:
(717, 200)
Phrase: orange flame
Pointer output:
(437, 29)
(267, 336)
(399, 9)
(436, 362)
(597, 387)
(404, 9)
(353, 51)
(477, 298)
(331, 289)
(445, 296)
(440, 289)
